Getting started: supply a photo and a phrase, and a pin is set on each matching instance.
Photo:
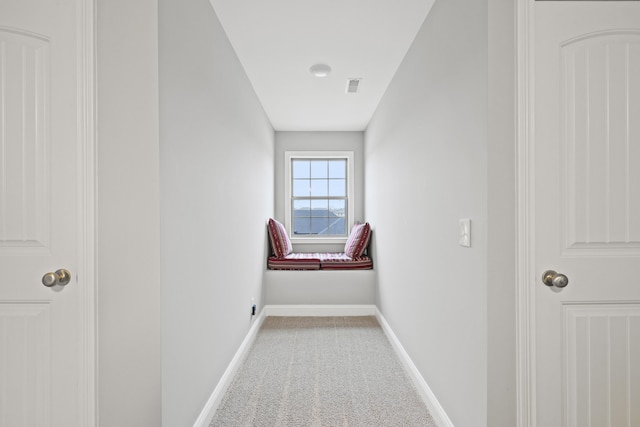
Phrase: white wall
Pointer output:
(426, 167)
(501, 250)
(128, 218)
(320, 141)
(217, 166)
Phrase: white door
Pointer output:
(45, 332)
(587, 212)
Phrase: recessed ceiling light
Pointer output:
(320, 70)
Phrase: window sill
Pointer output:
(318, 240)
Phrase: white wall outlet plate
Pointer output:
(465, 232)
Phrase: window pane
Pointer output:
(320, 225)
(337, 226)
(338, 208)
(337, 187)
(319, 169)
(301, 187)
(319, 188)
(337, 169)
(301, 168)
(301, 208)
(320, 208)
(301, 225)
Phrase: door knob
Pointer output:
(60, 277)
(551, 278)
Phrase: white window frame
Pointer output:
(288, 219)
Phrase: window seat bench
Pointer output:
(319, 287)
(354, 257)
(319, 261)
(295, 278)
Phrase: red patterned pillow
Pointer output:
(279, 240)
(358, 240)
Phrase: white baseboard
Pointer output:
(435, 409)
(205, 417)
(320, 310)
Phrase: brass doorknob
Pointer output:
(61, 277)
(551, 278)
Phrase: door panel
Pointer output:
(600, 80)
(25, 371)
(602, 347)
(587, 201)
(25, 143)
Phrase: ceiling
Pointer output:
(277, 41)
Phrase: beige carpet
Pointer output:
(321, 371)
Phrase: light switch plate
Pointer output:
(465, 232)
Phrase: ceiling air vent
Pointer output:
(352, 85)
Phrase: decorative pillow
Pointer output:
(358, 240)
(279, 240)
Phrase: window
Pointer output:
(319, 195)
